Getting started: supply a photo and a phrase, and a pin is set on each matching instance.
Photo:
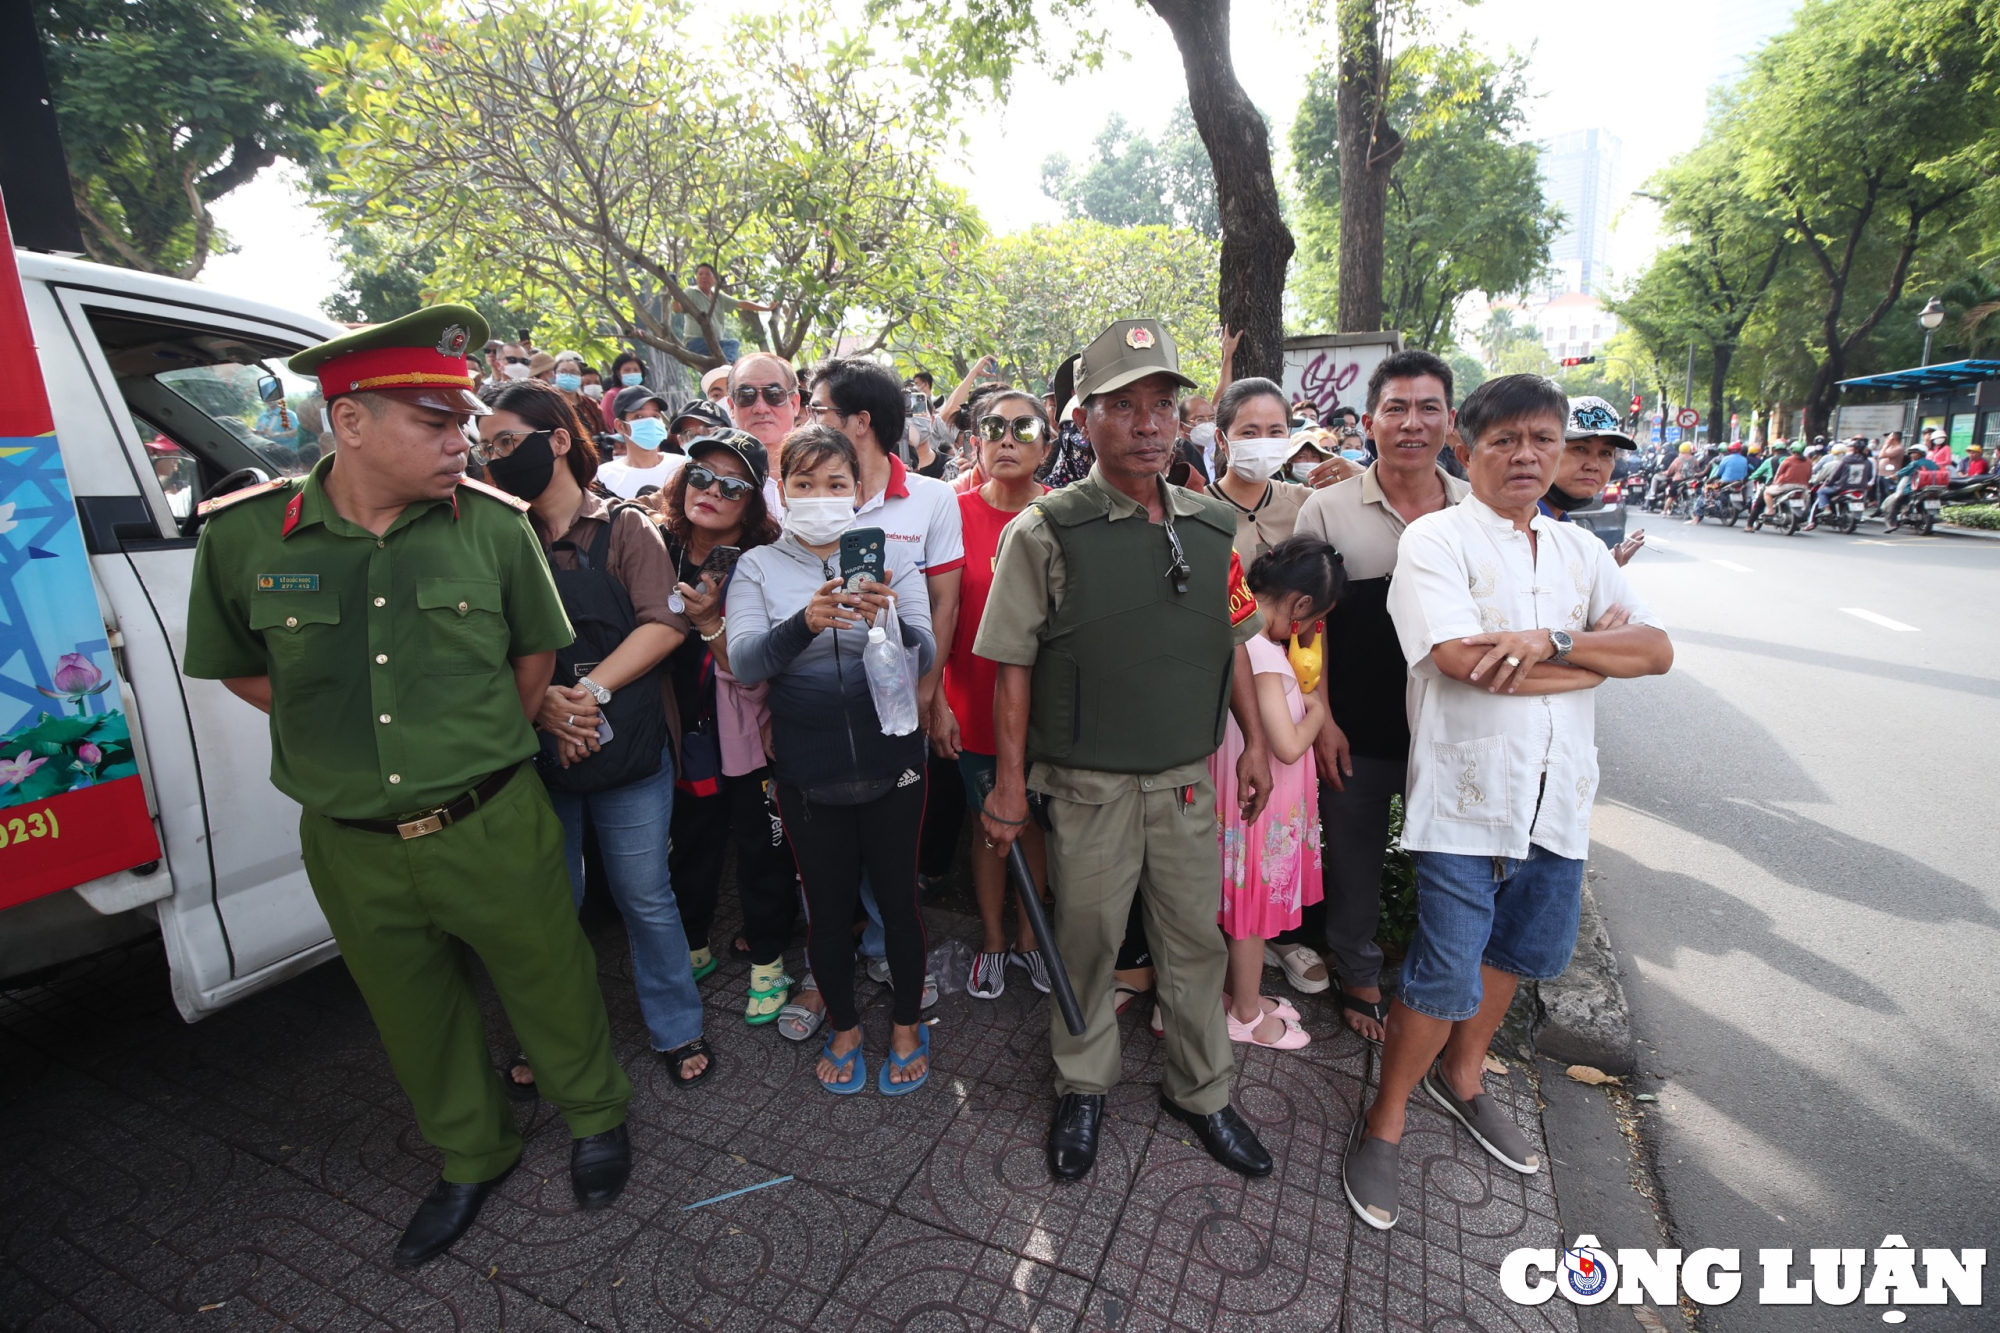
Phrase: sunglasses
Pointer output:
(730, 488)
(774, 394)
(516, 360)
(1025, 430)
(502, 445)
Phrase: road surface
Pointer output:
(1795, 838)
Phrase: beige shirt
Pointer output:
(1270, 522)
(1361, 523)
(1029, 577)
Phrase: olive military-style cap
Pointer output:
(1129, 350)
(419, 358)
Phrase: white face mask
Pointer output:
(515, 370)
(817, 519)
(1203, 436)
(1257, 460)
(1303, 471)
(593, 391)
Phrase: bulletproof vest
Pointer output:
(1132, 675)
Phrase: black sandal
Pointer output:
(519, 1091)
(678, 1057)
(1374, 1009)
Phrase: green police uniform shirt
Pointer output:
(391, 688)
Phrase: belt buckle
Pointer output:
(430, 823)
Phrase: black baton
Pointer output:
(1031, 907)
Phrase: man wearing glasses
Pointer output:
(764, 401)
(1113, 689)
(400, 625)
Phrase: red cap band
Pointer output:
(392, 368)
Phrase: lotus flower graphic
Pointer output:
(75, 680)
(15, 771)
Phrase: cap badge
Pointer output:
(453, 340)
(1139, 337)
(1593, 416)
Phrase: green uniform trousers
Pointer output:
(404, 911)
(1152, 843)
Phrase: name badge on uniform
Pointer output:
(288, 583)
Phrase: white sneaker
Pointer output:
(1031, 962)
(1299, 962)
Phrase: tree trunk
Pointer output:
(1718, 375)
(1369, 147)
(1256, 244)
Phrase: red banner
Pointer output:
(72, 839)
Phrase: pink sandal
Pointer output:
(1279, 1008)
(1291, 1039)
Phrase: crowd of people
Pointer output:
(1885, 472)
(1194, 723)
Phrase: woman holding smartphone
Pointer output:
(606, 749)
(850, 797)
(714, 512)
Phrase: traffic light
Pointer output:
(1577, 360)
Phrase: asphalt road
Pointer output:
(1795, 838)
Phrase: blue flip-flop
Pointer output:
(855, 1079)
(923, 1052)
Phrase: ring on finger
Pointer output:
(1513, 661)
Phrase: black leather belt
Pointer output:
(437, 817)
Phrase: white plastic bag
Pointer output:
(892, 675)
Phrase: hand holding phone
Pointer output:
(861, 554)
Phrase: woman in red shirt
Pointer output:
(1012, 434)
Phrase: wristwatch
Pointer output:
(1560, 638)
(603, 696)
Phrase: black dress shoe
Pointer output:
(1073, 1134)
(442, 1218)
(1227, 1137)
(599, 1166)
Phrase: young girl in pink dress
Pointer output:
(1271, 866)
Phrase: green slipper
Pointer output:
(769, 989)
(703, 962)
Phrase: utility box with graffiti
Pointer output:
(1332, 369)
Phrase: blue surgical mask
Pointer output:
(630, 378)
(649, 433)
(1353, 455)
(569, 383)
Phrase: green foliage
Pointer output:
(1465, 209)
(583, 159)
(1134, 182)
(1033, 297)
(1398, 923)
(167, 105)
(58, 742)
(385, 277)
(1973, 305)
(1974, 516)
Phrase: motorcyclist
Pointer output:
(1678, 476)
(1840, 472)
(1913, 476)
(1728, 469)
(1792, 475)
(1975, 464)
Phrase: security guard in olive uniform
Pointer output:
(392, 616)
(1118, 642)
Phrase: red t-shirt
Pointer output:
(969, 679)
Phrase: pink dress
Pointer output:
(1270, 869)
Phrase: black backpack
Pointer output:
(600, 611)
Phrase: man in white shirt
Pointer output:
(642, 418)
(1494, 603)
(764, 400)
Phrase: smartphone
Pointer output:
(603, 730)
(861, 556)
(716, 569)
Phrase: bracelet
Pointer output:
(720, 630)
(997, 819)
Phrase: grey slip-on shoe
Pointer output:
(1492, 1127)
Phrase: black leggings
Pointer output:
(704, 828)
(833, 845)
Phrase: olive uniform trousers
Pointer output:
(1149, 841)
(405, 910)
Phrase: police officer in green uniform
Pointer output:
(399, 624)
(1120, 636)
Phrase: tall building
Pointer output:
(1580, 176)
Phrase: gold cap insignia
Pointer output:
(453, 340)
(1139, 336)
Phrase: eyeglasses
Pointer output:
(1025, 430)
(820, 411)
(502, 445)
(730, 488)
(1180, 571)
(745, 394)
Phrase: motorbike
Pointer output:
(1728, 502)
(1843, 512)
(1789, 514)
(1918, 511)
(1973, 491)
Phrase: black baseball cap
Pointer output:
(744, 446)
(632, 399)
(710, 416)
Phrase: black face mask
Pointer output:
(526, 471)
(1561, 501)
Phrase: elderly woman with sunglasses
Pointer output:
(1013, 438)
(607, 756)
(713, 512)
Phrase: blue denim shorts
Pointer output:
(1515, 916)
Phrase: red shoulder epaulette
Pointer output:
(495, 493)
(208, 507)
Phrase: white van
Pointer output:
(164, 393)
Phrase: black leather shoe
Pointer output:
(599, 1166)
(442, 1218)
(1073, 1134)
(1228, 1138)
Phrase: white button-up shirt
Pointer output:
(1492, 773)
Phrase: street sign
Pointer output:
(1673, 435)
(1686, 417)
